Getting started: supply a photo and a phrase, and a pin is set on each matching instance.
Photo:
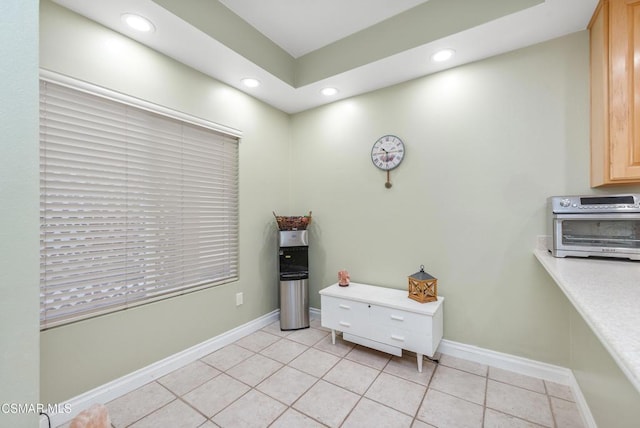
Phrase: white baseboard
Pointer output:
(135, 380)
(581, 402)
(314, 313)
(523, 366)
(509, 362)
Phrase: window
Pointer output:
(137, 202)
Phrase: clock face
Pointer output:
(387, 152)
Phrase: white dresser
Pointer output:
(382, 318)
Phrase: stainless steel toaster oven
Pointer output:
(595, 226)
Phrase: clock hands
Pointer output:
(387, 151)
(386, 155)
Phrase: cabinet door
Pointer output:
(615, 92)
(625, 86)
(624, 94)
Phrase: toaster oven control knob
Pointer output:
(565, 203)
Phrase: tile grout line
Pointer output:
(251, 387)
(554, 423)
(290, 406)
(486, 395)
(307, 390)
(424, 397)
(154, 410)
(179, 397)
(369, 387)
(322, 378)
(520, 418)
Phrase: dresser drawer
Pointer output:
(344, 315)
(396, 319)
(421, 342)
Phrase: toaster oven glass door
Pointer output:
(601, 233)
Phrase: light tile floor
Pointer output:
(300, 379)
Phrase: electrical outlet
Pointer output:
(239, 299)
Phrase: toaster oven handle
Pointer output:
(597, 216)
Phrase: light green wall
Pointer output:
(19, 222)
(612, 399)
(81, 356)
(486, 144)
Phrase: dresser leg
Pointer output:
(333, 336)
(419, 357)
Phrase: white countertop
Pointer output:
(607, 295)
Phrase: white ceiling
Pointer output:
(302, 26)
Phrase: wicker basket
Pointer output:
(293, 223)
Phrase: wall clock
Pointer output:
(387, 153)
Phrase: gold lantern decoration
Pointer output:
(423, 287)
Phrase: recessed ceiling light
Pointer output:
(138, 22)
(327, 92)
(443, 55)
(250, 82)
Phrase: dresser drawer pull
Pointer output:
(396, 337)
(397, 318)
(344, 306)
(344, 324)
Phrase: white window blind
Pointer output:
(135, 206)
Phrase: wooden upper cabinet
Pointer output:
(615, 92)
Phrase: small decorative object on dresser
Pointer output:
(423, 287)
(343, 278)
